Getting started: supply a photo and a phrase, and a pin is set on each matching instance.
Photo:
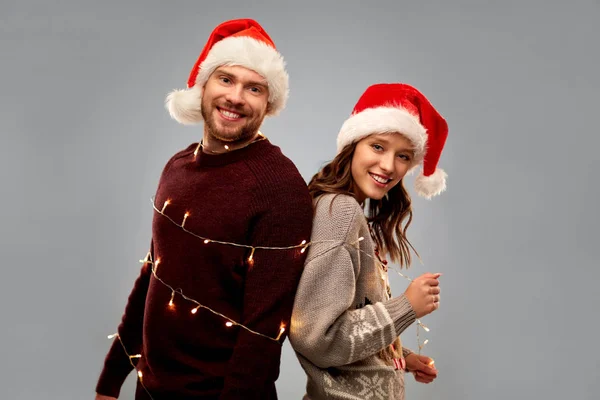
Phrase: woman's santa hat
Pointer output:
(397, 107)
(241, 42)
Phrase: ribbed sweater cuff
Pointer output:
(110, 384)
(401, 312)
(112, 377)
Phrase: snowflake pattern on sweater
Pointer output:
(364, 384)
(372, 387)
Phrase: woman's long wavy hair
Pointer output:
(386, 215)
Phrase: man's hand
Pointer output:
(422, 368)
(103, 397)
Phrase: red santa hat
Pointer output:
(240, 42)
(397, 107)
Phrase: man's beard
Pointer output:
(246, 131)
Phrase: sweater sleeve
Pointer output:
(116, 364)
(270, 285)
(326, 330)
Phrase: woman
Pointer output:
(345, 325)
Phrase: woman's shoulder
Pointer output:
(337, 216)
(340, 201)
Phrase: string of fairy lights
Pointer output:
(420, 325)
(304, 245)
(229, 322)
(383, 271)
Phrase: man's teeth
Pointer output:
(229, 114)
(380, 179)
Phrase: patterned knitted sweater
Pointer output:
(342, 317)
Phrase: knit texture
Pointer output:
(253, 196)
(342, 317)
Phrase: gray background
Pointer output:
(85, 136)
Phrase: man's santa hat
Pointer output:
(241, 42)
(397, 107)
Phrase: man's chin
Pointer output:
(230, 134)
(227, 137)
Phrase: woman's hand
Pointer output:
(423, 293)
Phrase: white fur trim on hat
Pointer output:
(184, 105)
(384, 120)
(432, 185)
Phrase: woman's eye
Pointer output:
(377, 147)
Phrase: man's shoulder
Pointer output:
(188, 151)
(276, 167)
(276, 155)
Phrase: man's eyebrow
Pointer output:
(264, 83)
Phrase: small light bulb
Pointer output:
(114, 335)
(171, 304)
(140, 374)
(197, 149)
(303, 242)
(145, 260)
(226, 147)
(185, 217)
(425, 342)
(167, 202)
(195, 310)
(251, 258)
(229, 324)
(206, 241)
(281, 330)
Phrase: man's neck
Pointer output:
(211, 145)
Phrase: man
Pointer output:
(208, 314)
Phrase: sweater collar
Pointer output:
(253, 150)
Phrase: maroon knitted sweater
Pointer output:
(253, 196)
